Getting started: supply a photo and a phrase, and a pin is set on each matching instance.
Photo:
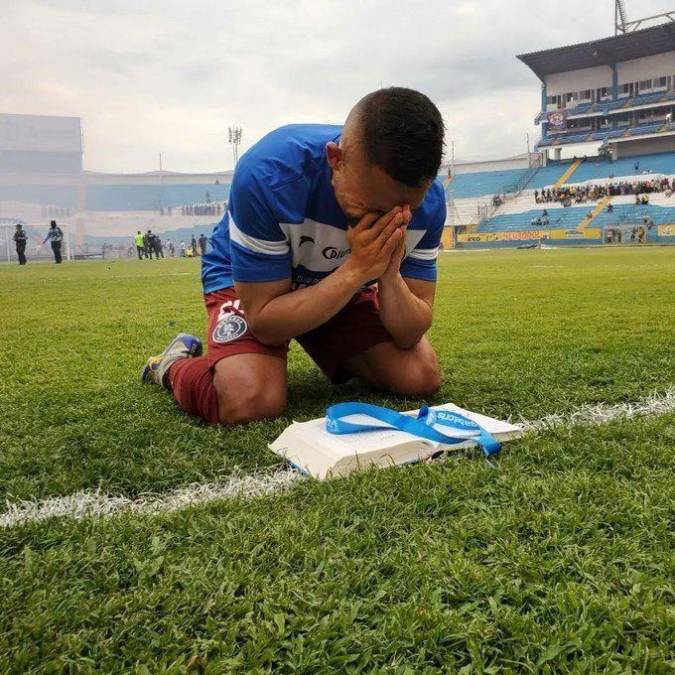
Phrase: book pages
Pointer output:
(318, 453)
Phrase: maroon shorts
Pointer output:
(352, 331)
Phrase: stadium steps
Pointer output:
(568, 174)
(599, 208)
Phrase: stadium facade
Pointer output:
(603, 171)
(615, 95)
(42, 178)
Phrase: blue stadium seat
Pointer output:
(46, 195)
(571, 218)
(471, 185)
(594, 169)
(548, 175)
(607, 106)
(588, 137)
(150, 197)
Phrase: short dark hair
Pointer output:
(403, 134)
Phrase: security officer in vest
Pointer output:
(20, 239)
(139, 240)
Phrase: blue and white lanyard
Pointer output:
(421, 426)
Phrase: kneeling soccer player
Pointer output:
(331, 238)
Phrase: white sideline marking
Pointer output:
(86, 503)
(97, 504)
(656, 404)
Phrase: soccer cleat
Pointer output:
(183, 346)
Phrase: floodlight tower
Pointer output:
(620, 17)
(234, 135)
(623, 26)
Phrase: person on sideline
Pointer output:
(139, 240)
(55, 237)
(20, 241)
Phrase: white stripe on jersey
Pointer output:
(424, 253)
(257, 245)
(412, 238)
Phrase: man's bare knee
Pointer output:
(250, 387)
(251, 405)
(423, 378)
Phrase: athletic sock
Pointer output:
(191, 384)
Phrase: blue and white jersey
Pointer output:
(283, 220)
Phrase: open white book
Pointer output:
(318, 453)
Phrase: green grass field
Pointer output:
(562, 559)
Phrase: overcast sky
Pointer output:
(170, 76)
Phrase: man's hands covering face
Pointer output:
(378, 244)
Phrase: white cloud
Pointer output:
(171, 76)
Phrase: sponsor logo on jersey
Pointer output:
(332, 253)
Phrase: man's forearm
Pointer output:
(403, 314)
(296, 312)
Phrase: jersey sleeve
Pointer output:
(259, 249)
(420, 263)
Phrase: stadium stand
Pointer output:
(116, 197)
(574, 217)
(567, 138)
(606, 107)
(486, 183)
(150, 197)
(51, 195)
(596, 168)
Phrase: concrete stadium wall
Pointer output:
(649, 146)
(492, 165)
(578, 80)
(646, 68)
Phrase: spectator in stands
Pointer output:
(55, 237)
(203, 241)
(20, 240)
(139, 240)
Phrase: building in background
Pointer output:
(42, 178)
(615, 95)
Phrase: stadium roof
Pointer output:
(605, 52)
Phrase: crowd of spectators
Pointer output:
(214, 209)
(580, 194)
